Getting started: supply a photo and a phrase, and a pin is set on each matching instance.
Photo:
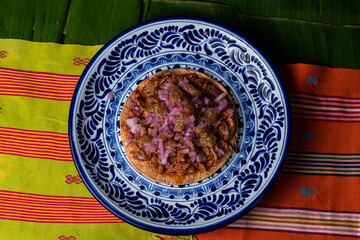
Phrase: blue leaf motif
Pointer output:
(203, 41)
(264, 92)
(235, 57)
(250, 183)
(217, 44)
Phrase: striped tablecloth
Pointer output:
(316, 196)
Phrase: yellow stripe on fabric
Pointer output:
(40, 176)
(34, 114)
(46, 57)
(15, 230)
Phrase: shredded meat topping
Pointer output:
(179, 128)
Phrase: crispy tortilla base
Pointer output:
(143, 166)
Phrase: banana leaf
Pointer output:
(291, 41)
(282, 40)
(325, 11)
(227, 14)
(98, 21)
(38, 20)
(324, 32)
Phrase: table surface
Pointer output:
(314, 46)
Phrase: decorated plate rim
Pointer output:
(222, 222)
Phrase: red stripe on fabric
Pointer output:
(25, 198)
(60, 153)
(39, 79)
(49, 197)
(325, 112)
(307, 209)
(47, 208)
(41, 156)
(32, 86)
(34, 132)
(323, 104)
(57, 220)
(37, 144)
(29, 148)
(50, 205)
(332, 99)
(49, 86)
(28, 138)
(36, 82)
(21, 209)
(288, 231)
(322, 118)
(35, 96)
(35, 72)
(37, 91)
(321, 115)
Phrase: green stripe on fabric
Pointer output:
(40, 176)
(45, 57)
(34, 114)
(15, 230)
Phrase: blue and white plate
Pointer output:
(138, 53)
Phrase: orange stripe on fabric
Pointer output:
(332, 81)
(301, 220)
(28, 143)
(327, 137)
(304, 156)
(289, 169)
(326, 167)
(261, 234)
(330, 192)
